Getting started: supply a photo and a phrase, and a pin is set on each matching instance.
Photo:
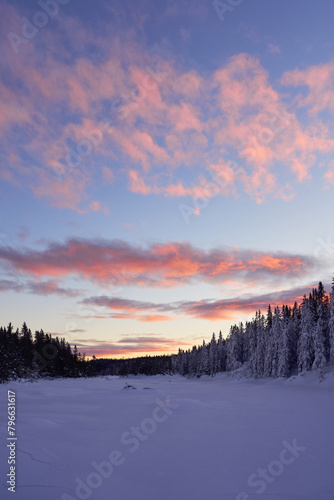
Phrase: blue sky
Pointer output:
(164, 172)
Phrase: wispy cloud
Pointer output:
(45, 288)
(213, 310)
(10, 286)
(319, 82)
(129, 346)
(273, 48)
(231, 309)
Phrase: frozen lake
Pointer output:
(172, 439)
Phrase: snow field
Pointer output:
(172, 438)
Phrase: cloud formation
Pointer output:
(212, 310)
(115, 262)
(125, 106)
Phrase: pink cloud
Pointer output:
(168, 118)
(319, 80)
(137, 184)
(222, 183)
(212, 310)
(65, 193)
(159, 265)
(185, 118)
(154, 318)
(189, 84)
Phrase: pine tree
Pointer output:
(4, 356)
(268, 354)
(26, 350)
(261, 344)
(331, 325)
(221, 353)
(306, 346)
(284, 355)
(320, 340)
(251, 331)
(204, 363)
(213, 356)
(276, 333)
(234, 349)
(193, 361)
(269, 320)
(294, 334)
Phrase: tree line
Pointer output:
(23, 355)
(143, 365)
(287, 340)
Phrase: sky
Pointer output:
(166, 168)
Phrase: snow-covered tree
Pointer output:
(276, 335)
(321, 337)
(213, 356)
(287, 338)
(221, 353)
(306, 345)
(261, 345)
(204, 360)
(284, 354)
(234, 349)
(331, 325)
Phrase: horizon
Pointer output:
(198, 345)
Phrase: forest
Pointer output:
(287, 340)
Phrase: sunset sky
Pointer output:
(167, 167)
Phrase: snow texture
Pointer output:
(218, 438)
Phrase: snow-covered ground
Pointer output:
(172, 439)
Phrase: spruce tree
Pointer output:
(306, 344)
(320, 340)
(331, 325)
